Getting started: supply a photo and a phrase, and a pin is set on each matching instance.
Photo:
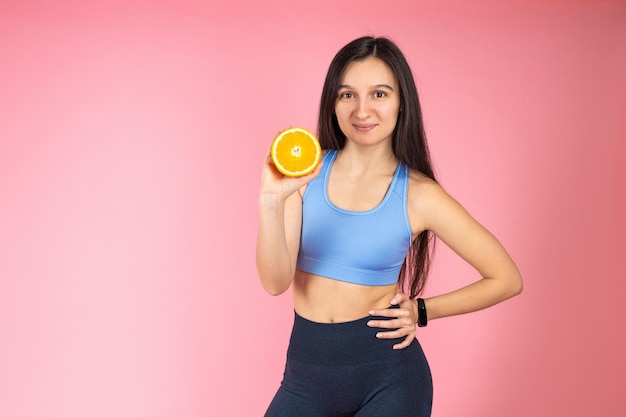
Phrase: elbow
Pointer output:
(520, 286)
(274, 287)
(274, 290)
(517, 286)
(508, 287)
(272, 281)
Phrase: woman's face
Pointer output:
(368, 102)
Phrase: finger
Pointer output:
(399, 298)
(305, 179)
(391, 312)
(405, 343)
(395, 334)
(382, 324)
(405, 322)
(384, 313)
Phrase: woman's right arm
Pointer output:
(280, 221)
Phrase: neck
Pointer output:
(367, 158)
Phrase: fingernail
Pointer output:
(394, 301)
(371, 312)
(369, 323)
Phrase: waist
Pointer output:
(343, 343)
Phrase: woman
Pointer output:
(349, 237)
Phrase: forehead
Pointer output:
(368, 72)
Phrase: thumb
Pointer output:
(399, 298)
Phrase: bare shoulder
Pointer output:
(424, 191)
(426, 200)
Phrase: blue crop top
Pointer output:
(361, 247)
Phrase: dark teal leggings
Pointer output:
(343, 370)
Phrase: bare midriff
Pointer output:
(325, 300)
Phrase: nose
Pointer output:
(363, 109)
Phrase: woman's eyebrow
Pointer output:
(387, 86)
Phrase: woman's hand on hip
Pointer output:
(403, 320)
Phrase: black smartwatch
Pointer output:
(422, 316)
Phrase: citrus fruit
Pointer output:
(296, 152)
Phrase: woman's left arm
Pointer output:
(438, 212)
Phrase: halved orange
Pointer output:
(296, 152)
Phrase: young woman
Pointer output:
(351, 236)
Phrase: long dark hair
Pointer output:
(408, 143)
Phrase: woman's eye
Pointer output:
(379, 94)
(346, 95)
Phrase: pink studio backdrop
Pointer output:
(131, 139)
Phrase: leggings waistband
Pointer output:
(344, 343)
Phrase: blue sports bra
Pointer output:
(361, 247)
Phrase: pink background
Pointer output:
(131, 138)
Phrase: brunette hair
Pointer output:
(409, 139)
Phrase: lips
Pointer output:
(362, 127)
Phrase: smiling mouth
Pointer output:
(364, 127)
